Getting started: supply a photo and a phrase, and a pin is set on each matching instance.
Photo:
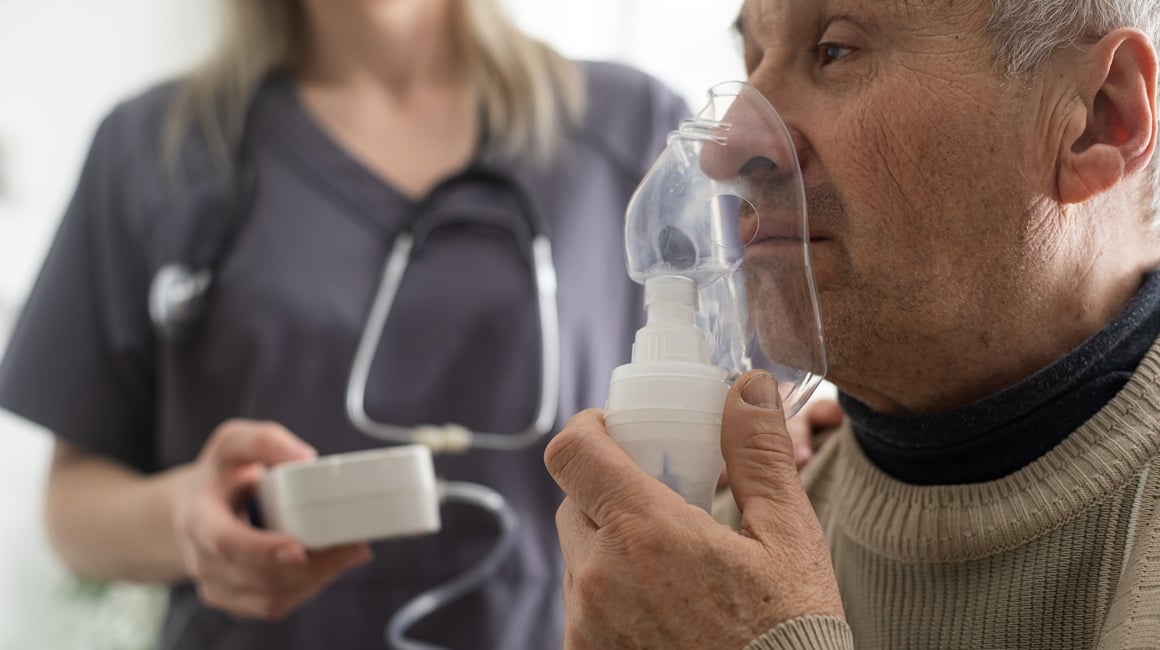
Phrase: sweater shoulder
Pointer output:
(1132, 621)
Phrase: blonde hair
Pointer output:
(529, 94)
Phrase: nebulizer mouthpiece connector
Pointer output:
(671, 333)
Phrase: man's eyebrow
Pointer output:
(739, 25)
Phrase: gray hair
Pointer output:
(1028, 32)
(530, 94)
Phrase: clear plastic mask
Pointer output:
(725, 206)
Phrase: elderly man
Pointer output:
(983, 235)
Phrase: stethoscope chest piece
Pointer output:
(177, 296)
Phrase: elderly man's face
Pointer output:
(924, 170)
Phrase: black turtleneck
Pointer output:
(1003, 433)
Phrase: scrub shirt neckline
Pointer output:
(345, 178)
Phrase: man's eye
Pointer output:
(832, 52)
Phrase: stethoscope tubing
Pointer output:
(446, 438)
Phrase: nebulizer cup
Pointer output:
(718, 234)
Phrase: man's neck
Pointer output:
(1028, 326)
(1005, 432)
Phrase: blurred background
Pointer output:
(63, 65)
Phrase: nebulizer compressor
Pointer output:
(688, 227)
(718, 235)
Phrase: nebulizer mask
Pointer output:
(718, 234)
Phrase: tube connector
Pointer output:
(447, 439)
(671, 332)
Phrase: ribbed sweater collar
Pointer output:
(955, 523)
(1005, 432)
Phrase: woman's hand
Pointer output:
(245, 571)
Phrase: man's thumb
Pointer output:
(757, 447)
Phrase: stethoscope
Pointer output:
(454, 437)
(179, 291)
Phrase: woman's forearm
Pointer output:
(109, 522)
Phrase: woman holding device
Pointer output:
(203, 311)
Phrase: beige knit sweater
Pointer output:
(1062, 554)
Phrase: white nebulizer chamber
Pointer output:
(664, 408)
(718, 234)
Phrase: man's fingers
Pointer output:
(240, 442)
(815, 418)
(576, 531)
(597, 474)
(824, 414)
(758, 451)
(802, 436)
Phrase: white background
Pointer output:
(63, 65)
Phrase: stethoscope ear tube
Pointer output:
(546, 289)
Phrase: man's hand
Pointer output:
(644, 569)
(237, 568)
(814, 418)
(807, 430)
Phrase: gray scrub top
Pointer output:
(281, 327)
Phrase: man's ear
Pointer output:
(1112, 134)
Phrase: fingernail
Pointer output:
(289, 555)
(761, 391)
(309, 451)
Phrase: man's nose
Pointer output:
(755, 141)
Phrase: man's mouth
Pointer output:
(754, 233)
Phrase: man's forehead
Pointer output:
(756, 11)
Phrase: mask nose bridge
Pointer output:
(745, 142)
